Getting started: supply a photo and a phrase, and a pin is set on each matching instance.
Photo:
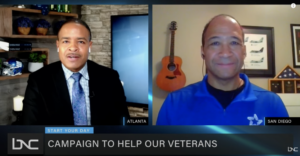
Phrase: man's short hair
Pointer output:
(206, 26)
(79, 21)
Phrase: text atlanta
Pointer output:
(136, 121)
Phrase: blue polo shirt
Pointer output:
(193, 105)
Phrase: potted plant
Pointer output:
(36, 61)
(42, 27)
(24, 25)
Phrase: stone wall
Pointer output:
(98, 18)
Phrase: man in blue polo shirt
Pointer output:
(224, 96)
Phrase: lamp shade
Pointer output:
(18, 103)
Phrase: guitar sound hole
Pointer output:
(170, 77)
(171, 66)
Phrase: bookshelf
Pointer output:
(24, 75)
(39, 12)
(6, 21)
(7, 15)
(33, 36)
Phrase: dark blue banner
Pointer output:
(278, 135)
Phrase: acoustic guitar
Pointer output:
(171, 77)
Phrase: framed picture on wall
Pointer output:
(260, 59)
(295, 30)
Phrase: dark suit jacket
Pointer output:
(47, 100)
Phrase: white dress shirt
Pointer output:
(84, 82)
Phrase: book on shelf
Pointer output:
(15, 44)
(16, 48)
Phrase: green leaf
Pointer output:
(43, 56)
(36, 57)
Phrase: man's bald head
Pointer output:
(218, 17)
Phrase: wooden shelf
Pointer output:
(6, 22)
(39, 12)
(33, 49)
(43, 50)
(32, 36)
(288, 79)
(24, 75)
(6, 31)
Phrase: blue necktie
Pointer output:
(78, 101)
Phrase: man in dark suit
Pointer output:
(74, 90)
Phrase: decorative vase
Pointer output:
(34, 66)
(23, 30)
(41, 31)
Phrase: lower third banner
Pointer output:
(168, 144)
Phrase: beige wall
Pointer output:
(191, 20)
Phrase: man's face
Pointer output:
(224, 49)
(73, 44)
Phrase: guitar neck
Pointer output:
(172, 46)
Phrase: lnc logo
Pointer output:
(23, 143)
(292, 149)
